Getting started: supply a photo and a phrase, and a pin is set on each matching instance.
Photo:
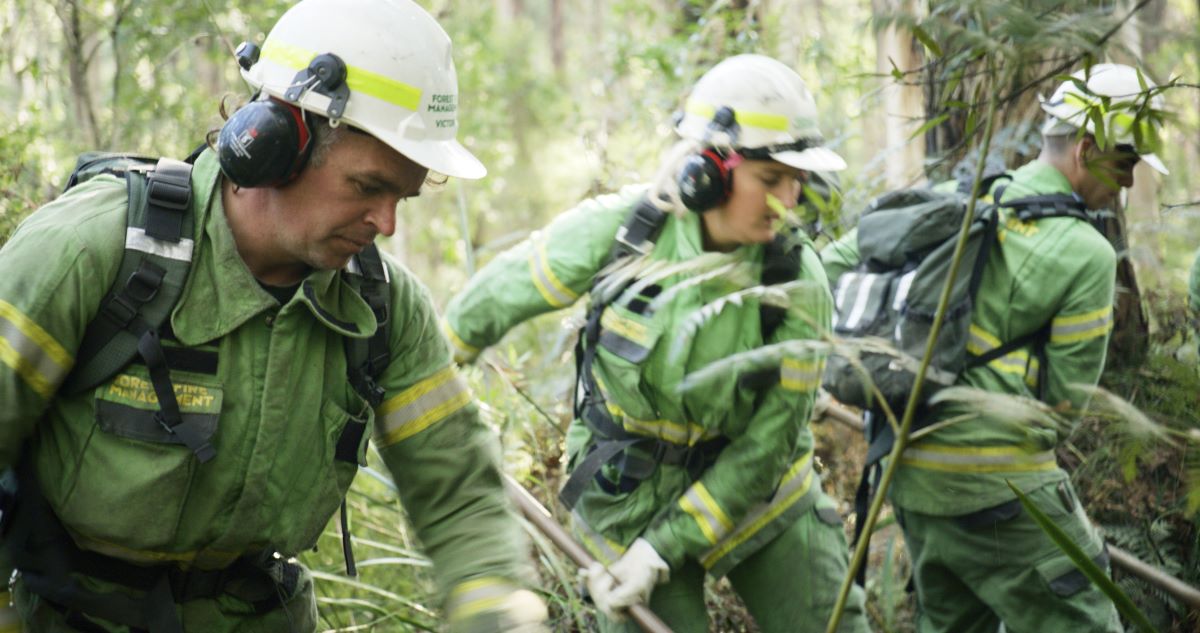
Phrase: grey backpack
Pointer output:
(906, 242)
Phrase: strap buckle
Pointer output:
(168, 193)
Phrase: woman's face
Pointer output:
(746, 217)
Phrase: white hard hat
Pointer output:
(773, 110)
(402, 86)
(1118, 93)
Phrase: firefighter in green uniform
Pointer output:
(124, 524)
(978, 559)
(668, 485)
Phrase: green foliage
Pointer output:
(1094, 573)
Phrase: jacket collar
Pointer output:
(220, 280)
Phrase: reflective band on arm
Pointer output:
(980, 342)
(1081, 327)
(604, 550)
(476, 596)
(977, 459)
(31, 352)
(463, 351)
(551, 289)
(359, 80)
(801, 375)
(682, 433)
(708, 515)
(421, 406)
(793, 487)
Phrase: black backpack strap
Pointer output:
(366, 360)
(781, 264)
(1052, 205)
(158, 256)
(639, 232)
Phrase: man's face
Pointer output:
(1106, 171)
(333, 210)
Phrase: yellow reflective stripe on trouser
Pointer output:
(761, 120)
(421, 406)
(547, 284)
(10, 620)
(31, 352)
(1081, 327)
(359, 80)
(977, 459)
(463, 350)
(796, 483)
(604, 550)
(708, 515)
(478, 595)
(801, 375)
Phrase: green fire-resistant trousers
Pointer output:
(789, 586)
(973, 572)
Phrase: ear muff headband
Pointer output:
(706, 179)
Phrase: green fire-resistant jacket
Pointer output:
(761, 481)
(279, 398)
(1058, 271)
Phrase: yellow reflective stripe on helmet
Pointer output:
(794, 486)
(462, 349)
(359, 80)
(31, 352)
(602, 549)
(977, 459)
(712, 521)
(801, 375)
(421, 406)
(760, 120)
(478, 595)
(552, 290)
(1081, 327)
(10, 619)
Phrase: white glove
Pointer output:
(634, 577)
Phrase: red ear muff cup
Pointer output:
(706, 180)
(264, 144)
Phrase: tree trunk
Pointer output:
(903, 109)
(557, 51)
(77, 64)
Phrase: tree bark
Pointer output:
(903, 109)
(77, 65)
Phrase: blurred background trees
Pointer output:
(563, 99)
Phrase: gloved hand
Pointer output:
(628, 581)
(521, 611)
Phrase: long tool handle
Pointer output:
(1121, 559)
(540, 517)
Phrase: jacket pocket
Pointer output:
(133, 475)
(626, 340)
(320, 489)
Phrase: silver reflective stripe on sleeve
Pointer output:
(31, 352)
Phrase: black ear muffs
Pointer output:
(264, 144)
(706, 179)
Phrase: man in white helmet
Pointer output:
(669, 483)
(193, 361)
(978, 558)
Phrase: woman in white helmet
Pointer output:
(668, 485)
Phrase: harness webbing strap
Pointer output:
(168, 195)
(169, 415)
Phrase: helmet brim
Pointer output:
(1155, 163)
(811, 159)
(447, 157)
